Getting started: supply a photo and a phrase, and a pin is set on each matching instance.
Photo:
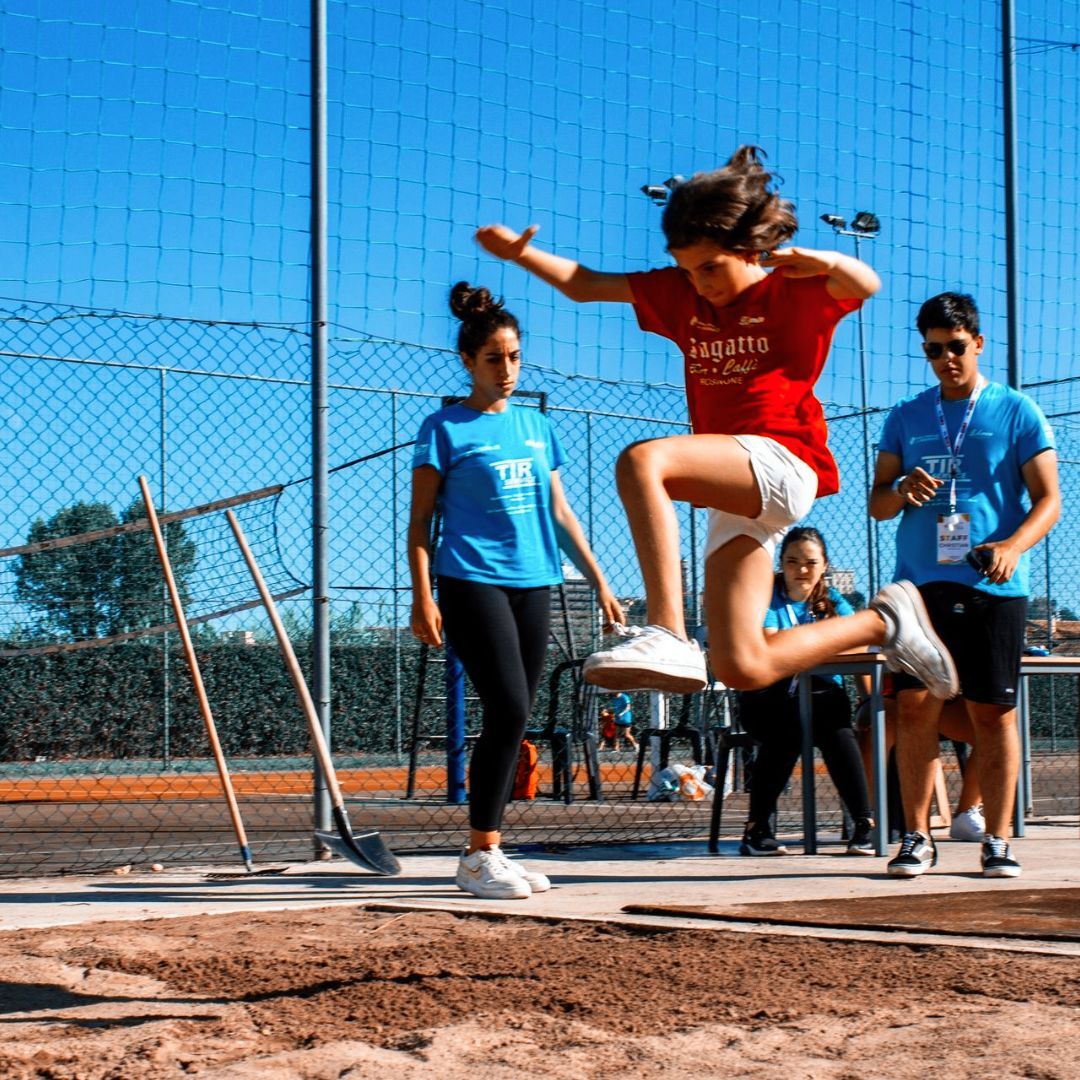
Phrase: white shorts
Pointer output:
(788, 488)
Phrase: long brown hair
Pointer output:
(735, 207)
(820, 604)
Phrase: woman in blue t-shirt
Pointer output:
(771, 716)
(491, 470)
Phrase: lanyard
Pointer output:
(794, 619)
(954, 451)
(793, 687)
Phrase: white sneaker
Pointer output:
(488, 874)
(650, 658)
(969, 826)
(910, 642)
(537, 882)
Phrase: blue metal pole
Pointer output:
(1012, 217)
(320, 637)
(806, 714)
(455, 728)
(868, 467)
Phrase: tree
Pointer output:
(71, 588)
(101, 587)
(140, 598)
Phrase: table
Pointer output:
(873, 664)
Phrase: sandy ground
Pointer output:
(342, 992)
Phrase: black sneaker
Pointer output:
(916, 855)
(997, 860)
(758, 840)
(862, 838)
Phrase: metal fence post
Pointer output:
(395, 621)
(455, 728)
(320, 636)
(166, 716)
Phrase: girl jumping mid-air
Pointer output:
(754, 325)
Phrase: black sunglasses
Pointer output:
(934, 349)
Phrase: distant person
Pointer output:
(754, 322)
(771, 716)
(607, 729)
(623, 714)
(959, 461)
(491, 468)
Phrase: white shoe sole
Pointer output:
(1002, 871)
(908, 871)
(537, 885)
(945, 688)
(487, 892)
(633, 675)
(537, 882)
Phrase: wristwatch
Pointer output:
(896, 485)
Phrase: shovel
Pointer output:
(368, 848)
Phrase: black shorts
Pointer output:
(985, 635)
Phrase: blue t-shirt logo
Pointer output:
(495, 498)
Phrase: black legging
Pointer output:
(771, 716)
(501, 637)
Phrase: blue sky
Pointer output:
(153, 159)
(153, 155)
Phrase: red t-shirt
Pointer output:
(751, 365)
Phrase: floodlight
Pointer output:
(834, 220)
(866, 223)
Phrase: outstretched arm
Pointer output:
(845, 278)
(572, 540)
(572, 279)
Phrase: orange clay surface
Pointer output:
(206, 785)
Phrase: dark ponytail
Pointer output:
(480, 314)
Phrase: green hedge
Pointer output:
(110, 702)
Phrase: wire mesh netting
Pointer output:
(154, 183)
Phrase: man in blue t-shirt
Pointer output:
(971, 466)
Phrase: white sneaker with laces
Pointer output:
(537, 882)
(649, 658)
(969, 826)
(488, 874)
(910, 642)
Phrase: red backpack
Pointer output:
(527, 778)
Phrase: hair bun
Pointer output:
(469, 302)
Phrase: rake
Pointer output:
(200, 689)
(366, 849)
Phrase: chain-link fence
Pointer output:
(156, 158)
(103, 755)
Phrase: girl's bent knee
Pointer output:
(637, 460)
(740, 675)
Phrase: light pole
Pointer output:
(864, 226)
(659, 193)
